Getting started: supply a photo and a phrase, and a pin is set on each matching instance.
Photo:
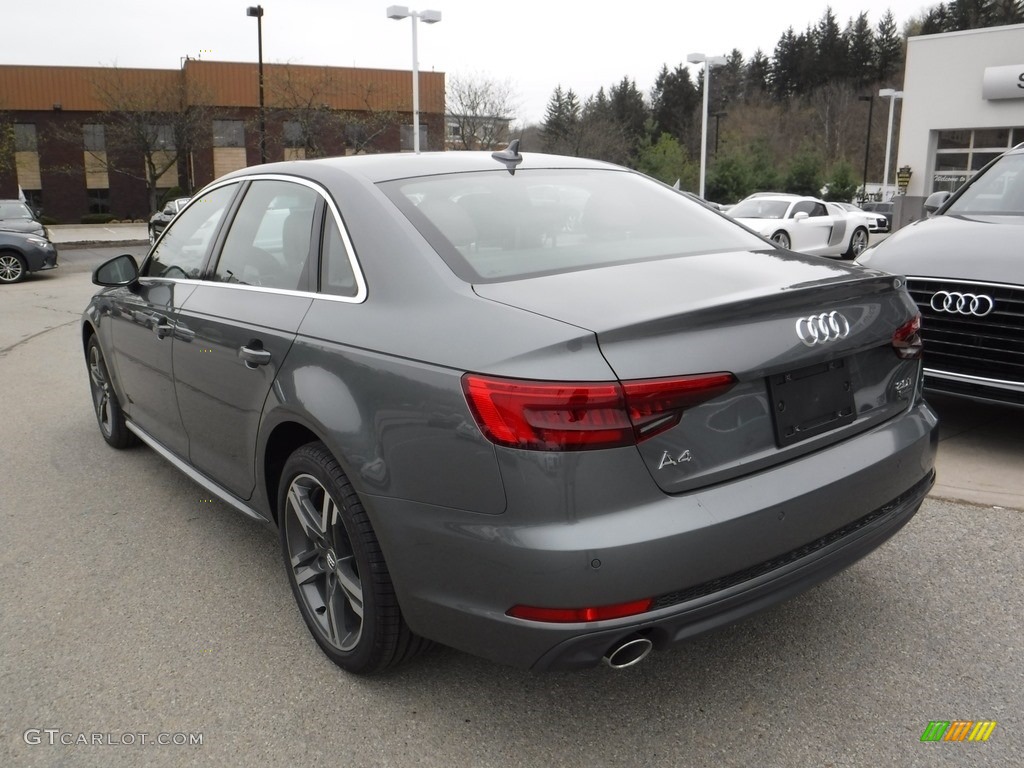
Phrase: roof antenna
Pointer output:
(509, 156)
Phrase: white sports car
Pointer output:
(877, 223)
(804, 224)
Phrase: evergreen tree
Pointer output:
(674, 102)
(785, 66)
(757, 75)
(804, 176)
(560, 128)
(1006, 12)
(629, 110)
(888, 48)
(831, 50)
(842, 185)
(970, 14)
(860, 46)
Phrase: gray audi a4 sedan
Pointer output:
(541, 409)
(965, 269)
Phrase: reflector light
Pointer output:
(906, 339)
(577, 615)
(576, 416)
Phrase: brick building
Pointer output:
(89, 139)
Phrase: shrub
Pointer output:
(97, 218)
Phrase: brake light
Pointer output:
(578, 416)
(572, 615)
(906, 339)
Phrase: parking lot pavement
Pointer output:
(981, 448)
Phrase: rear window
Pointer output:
(495, 226)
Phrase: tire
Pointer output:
(782, 240)
(336, 568)
(858, 243)
(12, 267)
(109, 415)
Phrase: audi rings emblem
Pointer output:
(976, 304)
(819, 329)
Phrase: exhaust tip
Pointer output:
(628, 652)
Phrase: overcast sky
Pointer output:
(534, 45)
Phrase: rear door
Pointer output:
(240, 323)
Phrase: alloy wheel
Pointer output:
(323, 563)
(100, 391)
(11, 268)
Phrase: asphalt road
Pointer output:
(132, 604)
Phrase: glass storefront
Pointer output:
(962, 153)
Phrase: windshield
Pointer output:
(15, 210)
(493, 226)
(759, 208)
(999, 191)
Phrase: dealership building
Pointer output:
(962, 105)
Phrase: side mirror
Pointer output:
(801, 215)
(168, 211)
(120, 270)
(934, 201)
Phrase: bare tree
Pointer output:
(480, 110)
(6, 143)
(302, 99)
(149, 114)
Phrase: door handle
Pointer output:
(254, 356)
(162, 327)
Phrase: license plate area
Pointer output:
(811, 400)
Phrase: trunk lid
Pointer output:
(743, 313)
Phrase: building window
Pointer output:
(293, 135)
(963, 152)
(25, 139)
(93, 138)
(406, 135)
(228, 133)
(99, 201)
(161, 136)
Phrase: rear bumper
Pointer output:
(784, 577)
(709, 558)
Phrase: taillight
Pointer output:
(572, 615)
(579, 416)
(906, 339)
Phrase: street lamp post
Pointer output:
(892, 95)
(427, 17)
(709, 62)
(718, 120)
(867, 145)
(257, 12)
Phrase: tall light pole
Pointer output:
(709, 62)
(867, 145)
(257, 11)
(891, 95)
(427, 17)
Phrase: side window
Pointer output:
(269, 240)
(804, 206)
(819, 210)
(336, 274)
(181, 251)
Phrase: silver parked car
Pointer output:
(542, 409)
(965, 269)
